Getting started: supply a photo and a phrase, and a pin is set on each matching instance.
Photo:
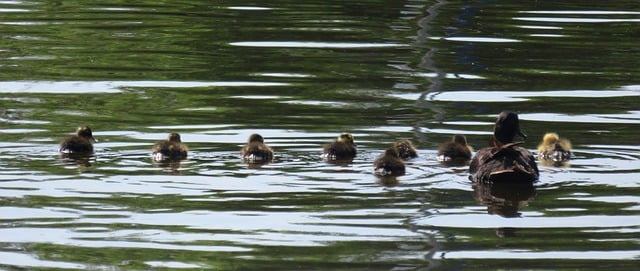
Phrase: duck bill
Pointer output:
(94, 139)
(521, 134)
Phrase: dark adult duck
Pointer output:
(505, 160)
(255, 151)
(343, 148)
(170, 149)
(81, 142)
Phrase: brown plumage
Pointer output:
(506, 160)
(171, 148)
(256, 151)
(554, 148)
(343, 148)
(389, 163)
(81, 142)
(405, 149)
(456, 149)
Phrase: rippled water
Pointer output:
(300, 73)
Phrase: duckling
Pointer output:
(405, 149)
(170, 149)
(506, 160)
(342, 149)
(456, 149)
(389, 163)
(81, 142)
(554, 148)
(255, 151)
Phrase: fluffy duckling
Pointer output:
(405, 149)
(389, 163)
(506, 160)
(81, 142)
(255, 151)
(171, 149)
(554, 148)
(456, 149)
(342, 149)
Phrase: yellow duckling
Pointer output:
(554, 148)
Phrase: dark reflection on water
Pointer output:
(299, 73)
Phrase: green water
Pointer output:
(300, 73)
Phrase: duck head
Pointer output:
(460, 139)
(392, 152)
(346, 138)
(256, 138)
(550, 138)
(174, 137)
(507, 128)
(85, 132)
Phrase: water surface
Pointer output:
(300, 73)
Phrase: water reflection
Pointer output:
(81, 160)
(504, 198)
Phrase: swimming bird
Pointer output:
(343, 148)
(405, 149)
(506, 160)
(455, 150)
(255, 151)
(81, 142)
(171, 149)
(554, 148)
(389, 163)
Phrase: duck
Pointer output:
(343, 148)
(170, 149)
(405, 149)
(255, 151)
(389, 163)
(505, 160)
(81, 142)
(455, 150)
(554, 148)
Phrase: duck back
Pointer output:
(339, 151)
(76, 144)
(506, 163)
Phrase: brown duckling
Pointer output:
(171, 149)
(506, 160)
(255, 151)
(342, 149)
(456, 149)
(81, 142)
(405, 149)
(554, 148)
(389, 163)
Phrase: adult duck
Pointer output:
(255, 151)
(81, 142)
(505, 160)
(343, 148)
(554, 148)
(172, 148)
(455, 150)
